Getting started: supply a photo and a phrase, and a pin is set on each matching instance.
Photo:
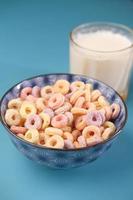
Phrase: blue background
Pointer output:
(34, 39)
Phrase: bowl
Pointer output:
(58, 158)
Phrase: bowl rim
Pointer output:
(56, 149)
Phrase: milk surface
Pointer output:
(101, 55)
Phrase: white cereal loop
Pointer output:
(53, 131)
(27, 109)
(62, 86)
(12, 117)
(32, 135)
(15, 103)
(55, 141)
(88, 88)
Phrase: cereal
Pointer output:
(59, 121)
(27, 109)
(61, 86)
(55, 141)
(12, 117)
(63, 115)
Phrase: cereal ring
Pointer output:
(66, 107)
(96, 118)
(25, 92)
(32, 135)
(77, 85)
(88, 88)
(78, 111)
(43, 136)
(61, 86)
(27, 109)
(76, 134)
(89, 105)
(33, 122)
(66, 129)
(46, 120)
(67, 135)
(93, 140)
(76, 95)
(53, 131)
(69, 117)
(18, 129)
(80, 122)
(12, 117)
(68, 144)
(90, 131)
(95, 95)
(103, 101)
(31, 98)
(108, 132)
(108, 112)
(115, 110)
(20, 135)
(36, 91)
(55, 141)
(59, 121)
(49, 111)
(15, 103)
(80, 101)
(56, 101)
(47, 91)
(81, 141)
(40, 104)
(101, 129)
(109, 124)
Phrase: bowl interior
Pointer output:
(50, 79)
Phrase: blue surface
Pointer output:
(34, 40)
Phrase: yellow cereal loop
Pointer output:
(107, 133)
(67, 135)
(32, 135)
(15, 103)
(76, 95)
(109, 124)
(40, 104)
(66, 129)
(27, 109)
(61, 86)
(103, 101)
(53, 131)
(95, 95)
(46, 119)
(77, 85)
(55, 141)
(78, 111)
(12, 117)
(90, 131)
(88, 88)
(47, 91)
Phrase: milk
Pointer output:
(101, 55)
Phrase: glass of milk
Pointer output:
(103, 51)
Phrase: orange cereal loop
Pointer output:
(61, 86)
(76, 85)
(47, 91)
(79, 111)
(15, 103)
(12, 117)
(76, 145)
(76, 134)
(67, 135)
(80, 101)
(80, 123)
(55, 141)
(95, 95)
(76, 95)
(89, 105)
(25, 92)
(18, 129)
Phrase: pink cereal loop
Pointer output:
(59, 121)
(80, 101)
(96, 118)
(25, 92)
(31, 98)
(68, 144)
(56, 101)
(18, 129)
(36, 91)
(69, 117)
(81, 141)
(66, 107)
(49, 111)
(108, 112)
(33, 122)
(115, 110)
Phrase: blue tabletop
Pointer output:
(34, 39)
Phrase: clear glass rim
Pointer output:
(101, 23)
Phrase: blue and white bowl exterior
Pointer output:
(63, 158)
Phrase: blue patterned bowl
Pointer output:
(57, 158)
